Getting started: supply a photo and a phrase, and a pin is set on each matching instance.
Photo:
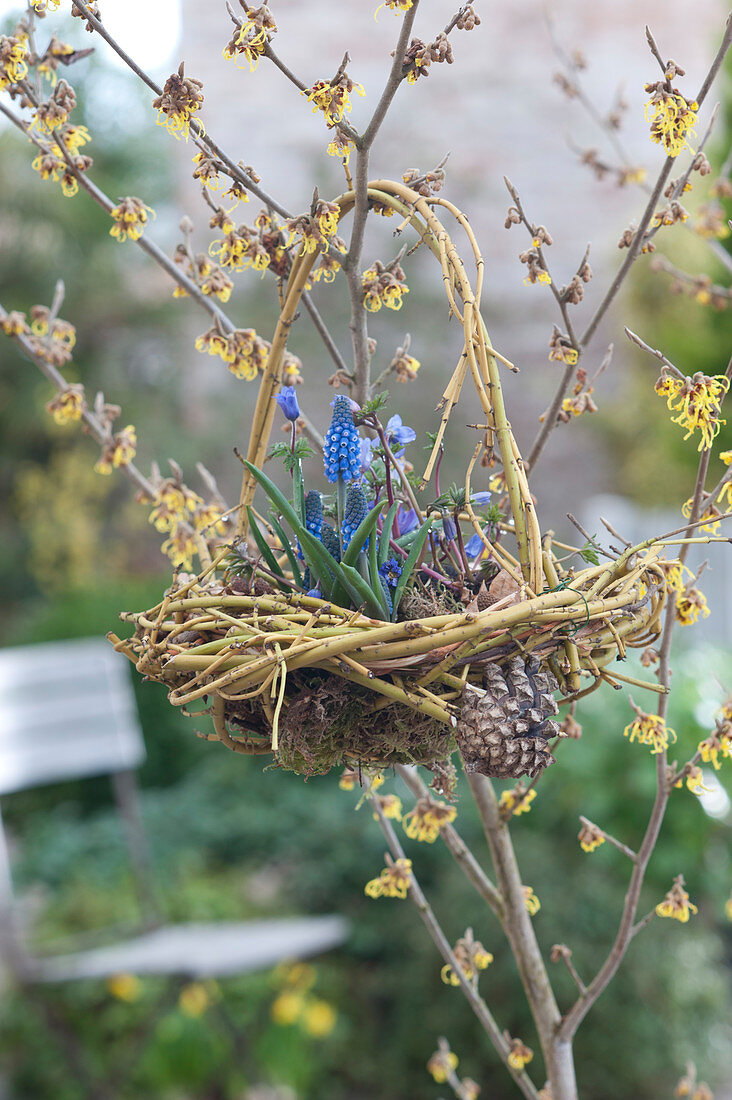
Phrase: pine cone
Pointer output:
(503, 731)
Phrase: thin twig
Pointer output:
(352, 262)
(632, 254)
(632, 856)
(654, 352)
(476, 1002)
(234, 170)
(456, 845)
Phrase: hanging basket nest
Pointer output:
(319, 685)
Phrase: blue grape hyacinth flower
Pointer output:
(342, 446)
(314, 513)
(356, 511)
(329, 539)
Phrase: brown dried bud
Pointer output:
(512, 217)
(570, 727)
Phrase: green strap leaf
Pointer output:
(362, 532)
(264, 549)
(409, 564)
(361, 592)
(375, 579)
(291, 556)
(386, 532)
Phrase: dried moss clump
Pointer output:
(330, 722)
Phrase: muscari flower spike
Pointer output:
(314, 513)
(342, 447)
(355, 513)
(329, 539)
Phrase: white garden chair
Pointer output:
(67, 711)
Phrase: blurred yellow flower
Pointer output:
(125, 987)
(318, 1018)
(194, 999)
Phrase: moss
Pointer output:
(330, 722)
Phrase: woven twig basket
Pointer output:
(319, 684)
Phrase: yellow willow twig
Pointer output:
(219, 722)
(265, 407)
(570, 647)
(494, 405)
(282, 668)
(497, 552)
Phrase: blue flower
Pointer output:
(407, 520)
(399, 433)
(387, 594)
(342, 446)
(314, 513)
(329, 539)
(448, 526)
(356, 511)
(287, 401)
(480, 498)
(390, 571)
(475, 545)
(366, 454)
(315, 593)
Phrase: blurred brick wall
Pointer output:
(496, 111)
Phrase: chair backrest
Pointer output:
(67, 710)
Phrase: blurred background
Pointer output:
(228, 839)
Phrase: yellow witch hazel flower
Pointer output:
(532, 903)
(690, 605)
(181, 547)
(393, 882)
(694, 780)
(650, 729)
(676, 904)
(427, 819)
(180, 99)
(442, 1063)
(316, 231)
(391, 806)
(719, 742)
(13, 51)
(519, 1054)
(672, 118)
(590, 837)
(674, 572)
(119, 451)
(516, 801)
(340, 145)
(68, 406)
(471, 957)
(250, 40)
(130, 215)
(697, 402)
(396, 6)
(383, 286)
(709, 514)
(45, 5)
(333, 98)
